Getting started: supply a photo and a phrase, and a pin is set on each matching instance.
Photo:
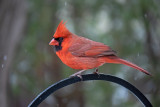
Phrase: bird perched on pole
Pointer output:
(81, 53)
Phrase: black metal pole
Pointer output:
(43, 95)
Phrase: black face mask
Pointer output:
(58, 48)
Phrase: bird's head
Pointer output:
(61, 33)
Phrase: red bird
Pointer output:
(83, 54)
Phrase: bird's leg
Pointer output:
(96, 72)
(78, 74)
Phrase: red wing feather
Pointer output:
(83, 47)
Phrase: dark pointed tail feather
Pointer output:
(122, 61)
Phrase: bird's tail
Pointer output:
(122, 61)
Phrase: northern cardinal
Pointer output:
(81, 53)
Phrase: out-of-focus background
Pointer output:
(28, 64)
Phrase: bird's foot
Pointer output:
(78, 74)
(96, 72)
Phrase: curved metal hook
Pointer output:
(43, 95)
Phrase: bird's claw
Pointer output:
(96, 72)
(78, 74)
(73, 75)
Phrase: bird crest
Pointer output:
(62, 30)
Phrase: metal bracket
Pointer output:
(68, 81)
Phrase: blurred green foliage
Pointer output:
(124, 25)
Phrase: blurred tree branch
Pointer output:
(152, 46)
(12, 24)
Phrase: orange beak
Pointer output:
(53, 42)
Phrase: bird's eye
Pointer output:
(58, 39)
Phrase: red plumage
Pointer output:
(82, 53)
